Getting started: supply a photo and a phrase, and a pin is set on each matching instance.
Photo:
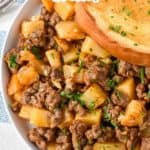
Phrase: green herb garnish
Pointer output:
(135, 44)
(12, 61)
(116, 28)
(37, 52)
(142, 74)
(111, 83)
(113, 68)
(91, 49)
(73, 96)
(91, 105)
(127, 11)
(118, 94)
(123, 33)
(52, 55)
(81, 65)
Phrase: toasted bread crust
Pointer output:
(87, 23)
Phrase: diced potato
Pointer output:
(82, 56)
(69, 30)
(29, 27)
(69, 71)
(64, 9)
(74, 72)
(48, 4)
(36, 64)
(27, 75)
(35, 18)
(68, 119)
(79, 76)
(90, 118)
(18, 96)
(106, 60)
(71, 55)
(51, 146)
(94, 95)
(14, 85)
(89, 46)
(53, 57)
(56, 83)
(127, 87)
(134, 114)
(62, 44)
(109, 146)
(39, 117)
(25, 111)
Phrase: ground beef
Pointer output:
(94, 133)
(35, 39)
(41, 95)
(63, 142)
(74, 106)
(88, 147)
(15, 106)
(127, 70)
(56, 117)
(40, 136)
(95, 72)
(141, 91)
(119, 98)
(78, 130)
(12, 60)
(128, 135)
(145, 144)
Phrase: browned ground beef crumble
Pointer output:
(43, 94)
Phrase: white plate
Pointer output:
(30, 8)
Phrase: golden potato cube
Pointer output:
(134, 114)
(62, 44)
(18, 96)
(51, 146)
(48, 4)
(39, 117)
(71, 55)
(89, 46)
(127, 87)
(64, 9)
(90, 118)
(68, 119)
(109, 146)
(27, 75)
(79, 76)
(14, 85)
(69, 71)
(69, 30)
(36, 64)
(29, 27)
(94, 95)
(25, 111)
(53, 57)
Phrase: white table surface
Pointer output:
(9, 140)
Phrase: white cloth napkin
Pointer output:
(9, 140)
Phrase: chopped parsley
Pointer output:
(91, 49)
(127, 11)
(111, 83)
(123, 33)
(113, 68)
(12, 61)
(108, 118)
(52, 55)
(37, 52)
(81, 65)
(135, 44)
(116, 28)
(118, 94)
(142, 74)
(91, 105)
(73, 95)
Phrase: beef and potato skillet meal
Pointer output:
(75, 94)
